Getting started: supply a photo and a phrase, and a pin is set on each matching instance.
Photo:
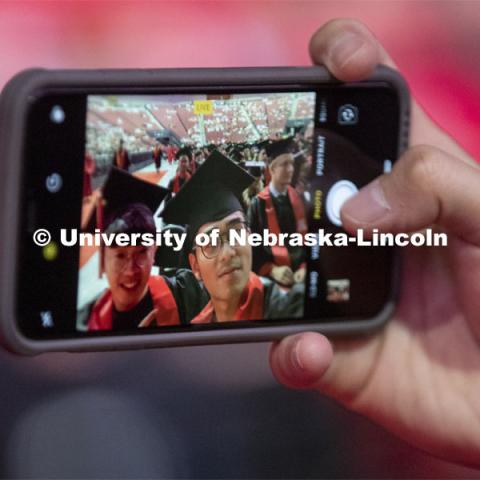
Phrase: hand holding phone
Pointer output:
(209, 197)
(418, 377)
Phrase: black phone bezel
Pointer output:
(30, 84)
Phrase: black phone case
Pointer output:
(13, 112)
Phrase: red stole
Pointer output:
(163, 301)
(170, 154)
(121, 159)
(176, 181)
(280, 253)
(250, 308)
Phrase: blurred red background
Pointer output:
(434, 43)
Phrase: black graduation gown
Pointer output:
(190, 297)
(181, 182)
(257, 219)
(278, 303)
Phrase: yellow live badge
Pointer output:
(203, 107)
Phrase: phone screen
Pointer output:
(199, 210)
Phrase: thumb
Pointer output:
(307, 361)
(426, 187)
(299, 361)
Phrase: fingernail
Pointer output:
(296, 361)
(369, 205)
(345, 48)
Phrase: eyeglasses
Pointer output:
(212, 250)
(121, 259)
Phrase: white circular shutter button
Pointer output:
(337, 196)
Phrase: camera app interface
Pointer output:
(205, 210)
(175, 170)
(228, 195)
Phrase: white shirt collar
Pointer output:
(274, 191)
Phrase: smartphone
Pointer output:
(168, 156)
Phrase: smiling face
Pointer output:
(128, 270)
(225, 275)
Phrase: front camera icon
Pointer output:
(348, 115)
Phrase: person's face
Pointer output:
(183, 163)
(282, 169)
(225, 275)
(128, 270)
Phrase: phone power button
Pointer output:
(337, 196)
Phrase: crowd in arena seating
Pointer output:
(238, 119)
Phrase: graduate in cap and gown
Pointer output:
(157, 155)
(89, 167)
(212, 200)
(255, 188)
(135, 297)
(171, 152)
(280, 209)
(183, 175)
(121, 158)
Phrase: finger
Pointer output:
(288, 278)
(299, 361)
(426, 187)
(299, 275)
(149, 319)
(348, 49)
(307, 361)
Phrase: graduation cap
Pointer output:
(263, 144)
(211, 147)
(279, 147)
(210, 195)
(197, 152)
(236, 154)
(255, 170)
(126, 204)
(120, 192)
(184, 151)
(299, 129)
